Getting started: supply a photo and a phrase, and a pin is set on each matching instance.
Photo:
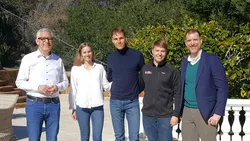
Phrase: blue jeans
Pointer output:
(36, 113)
(83, 116)
(157, 129)
(118, 109)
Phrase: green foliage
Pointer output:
(233, 50)
(18, 7)
(13, 40)
(8, 56)
(88, 23)
(227, 12)
(66, 52)
(93, 21)
(172, 33)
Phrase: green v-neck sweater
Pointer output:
(190, 85)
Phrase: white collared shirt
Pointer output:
(36, 69)
(194, 60)
(86, 87)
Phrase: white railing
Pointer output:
(232, 104)
(236, 105)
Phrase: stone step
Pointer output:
(11, 74)
(6, 88)
(21, 99)
(12, 92)
(20, 105)
(2, 74)
(23, 92)
(3, 82)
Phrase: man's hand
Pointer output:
(45, 89)
(173, 121)
(53, 89)
(214, 120)
(74, 115)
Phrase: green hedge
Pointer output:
(234, 50)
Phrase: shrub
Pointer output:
(8, 56)
(233, 50)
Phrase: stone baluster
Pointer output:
(231, 121)
(178, 130)
(242, 119)
(220, 133)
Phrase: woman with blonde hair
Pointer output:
(88, 80)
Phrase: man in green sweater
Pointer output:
(205, 90)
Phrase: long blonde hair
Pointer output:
(78, 59)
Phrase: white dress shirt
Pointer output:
(86, 87)
(196, 59)
(36, 69)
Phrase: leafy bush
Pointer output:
(8, 56)
(233, 50)
(92, 21)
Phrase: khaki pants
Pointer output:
(194, 127)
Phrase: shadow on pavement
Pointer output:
(14, 116)
(143, 137)
(21, 132)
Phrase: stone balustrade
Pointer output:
(235, 125)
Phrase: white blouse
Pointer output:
(86, 87)
(194, 60)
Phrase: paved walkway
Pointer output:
(69, 130)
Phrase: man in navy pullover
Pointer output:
(123, 67)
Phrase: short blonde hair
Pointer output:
(160, 43)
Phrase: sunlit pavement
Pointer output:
(69, 130)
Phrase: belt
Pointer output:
(43, 99)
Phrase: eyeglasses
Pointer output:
(45, 38)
